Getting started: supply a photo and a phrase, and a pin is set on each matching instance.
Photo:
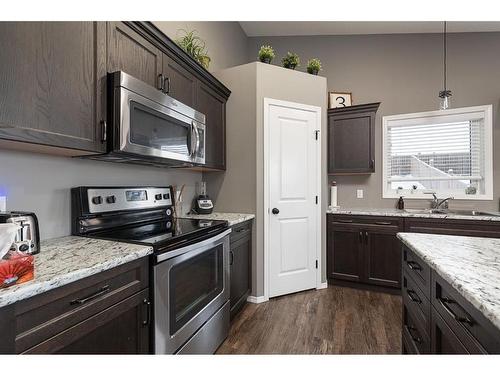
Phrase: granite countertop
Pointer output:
(67, 259)
(409, 213)
(231, 218)
(470, 264)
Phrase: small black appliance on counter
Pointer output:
(203, 204)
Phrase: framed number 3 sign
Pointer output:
(340, 99)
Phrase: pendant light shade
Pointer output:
(445, 94)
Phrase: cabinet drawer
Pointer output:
(240, 231)
(475, 332)
(443, 340)
(416, 336)
(416, 301)
(48, 314)
(418, 270)
(470, 228)
(366, 221)
(120, 329)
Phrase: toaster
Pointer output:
(28, 235)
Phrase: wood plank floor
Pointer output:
(335, 320)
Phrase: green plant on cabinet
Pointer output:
(194, 46)
(314, 66)
(290, 61)
(266, 54)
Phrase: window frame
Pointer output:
(485, 111)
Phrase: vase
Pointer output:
(266, 60)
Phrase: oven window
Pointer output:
(154, 129)
(193, 284)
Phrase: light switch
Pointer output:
(359, 193)
(3, 204)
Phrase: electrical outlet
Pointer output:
(3, 204)
(359, 193)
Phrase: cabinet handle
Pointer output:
(372, 163)
(104, 131)
(418, 340)
(413, 265)
(100, 292)
(366, 237)
(231, 257)
(343, 221)
(383, 223)
(160, 82)
(413, 296)
(360, 237)
(240, 230)
(166, 85)
(148, 312)
(444, 302)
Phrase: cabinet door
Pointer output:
(382, 256)
(213, 106)
(180, 83)
(52, 77)
(344, 253)
(120, 329)
(351, 139)
(240, 276)
(133, 54)
(443, 340)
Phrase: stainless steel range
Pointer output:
(190, 265)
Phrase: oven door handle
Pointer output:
(183, 250)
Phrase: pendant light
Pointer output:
(445, 94)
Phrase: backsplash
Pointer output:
(42, 183)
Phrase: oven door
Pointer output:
(152, 129)
(190, 285)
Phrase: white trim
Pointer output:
(483, 111)
(257, 299)
(322, 285)
(286, 104)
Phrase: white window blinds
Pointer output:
(444, 152)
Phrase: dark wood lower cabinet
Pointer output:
(120, 329)
(107, 313)
(240, 261)
(364, 251)
(438, 320)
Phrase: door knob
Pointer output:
(275, 211)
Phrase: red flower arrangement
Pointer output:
(16, 268)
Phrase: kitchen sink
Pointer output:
(450, 212)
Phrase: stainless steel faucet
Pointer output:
(436, 203)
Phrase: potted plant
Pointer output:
(313, 66)
(290, 61)
(194, 46)
(266, 54)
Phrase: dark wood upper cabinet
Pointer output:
(133, 54)
(181, 84)
(51, 84)
(213, 106)
(351, 139)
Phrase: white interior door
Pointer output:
(293, 170)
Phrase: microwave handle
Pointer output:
(197, 148)
(192, 140)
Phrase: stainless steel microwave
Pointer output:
(149, 127)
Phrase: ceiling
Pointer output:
(296, 28)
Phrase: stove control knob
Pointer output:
(168, 212)
(97, 200)
(111, 199)
(169, 225)
(166, 196)
(158, 197)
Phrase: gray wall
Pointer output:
(404, 72)
(225, 41)
(41, 183)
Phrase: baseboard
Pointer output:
(322, 285)
(257, 299)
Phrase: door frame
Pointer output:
(268, 102)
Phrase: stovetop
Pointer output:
(164, 234)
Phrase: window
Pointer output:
(445, 152)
